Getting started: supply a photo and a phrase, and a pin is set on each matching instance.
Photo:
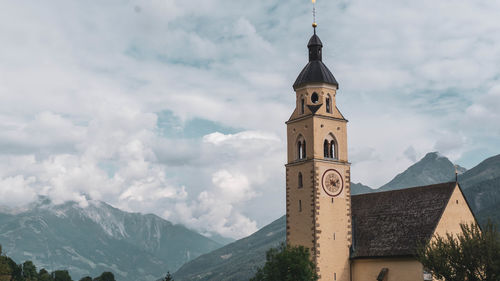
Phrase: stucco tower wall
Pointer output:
(315, 219)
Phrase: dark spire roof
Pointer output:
(315, 71)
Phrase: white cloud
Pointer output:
(81, 84)
(16, 191)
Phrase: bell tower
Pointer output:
(318, 200)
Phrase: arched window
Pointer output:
(330, 147)
(314, 97)
(300, 180)
(301, 148)
(328, 104)
(304, 155)
(302, 105)
(333, 150)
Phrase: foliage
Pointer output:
(105, 276)
(43, 275)
(29, 271)
(472, 255)
(11, 271)
(61, 275)
(287, 263)
(168, 277)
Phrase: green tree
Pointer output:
(5, 269)
(287, 263)
(472, 255)
(86, 278)
(105, 276)
(61, 275)
(43, 275)
(29, 271)
(168, 277)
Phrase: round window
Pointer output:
(314, 98)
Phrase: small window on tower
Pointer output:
(300, 205)
(328, 104)
(325, 148)
(300, 180)
(304, 155)
(333, 150)
(301, 148)
(314, 97)
(302, 105)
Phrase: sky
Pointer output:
(178, 108)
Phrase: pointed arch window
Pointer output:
(333, 150)
(302, 105)
(300, 180)
(330, 147)
(304, 155)
(301, 148)
(328, 104)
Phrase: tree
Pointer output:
(168, 277)
(43, 275)
(86, 278)
(61, 275)
(105, 276)
(287, 263)
(472, 255)
(29, 271)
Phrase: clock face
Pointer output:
(332, 182)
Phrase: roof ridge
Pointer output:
(407, 188)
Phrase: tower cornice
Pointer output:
(316, 86)
(300, 162)
(291, 121)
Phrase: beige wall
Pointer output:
(400, 269)
(322, 226)
(456, 212)
(300, 223)
(333, 224)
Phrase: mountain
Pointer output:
(433, 168)
(88, 241)
(236, 261)
(489, 169)
(359, 188)
(481, 186)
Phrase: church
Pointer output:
(370, 237)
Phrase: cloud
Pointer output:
(84, 88)
(216, 208)
(16, 191)
(411, 154)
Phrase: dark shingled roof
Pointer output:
(393, 223)
(315, 71)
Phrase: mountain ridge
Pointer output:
(88, 241)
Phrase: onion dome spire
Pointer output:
(315, 71)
